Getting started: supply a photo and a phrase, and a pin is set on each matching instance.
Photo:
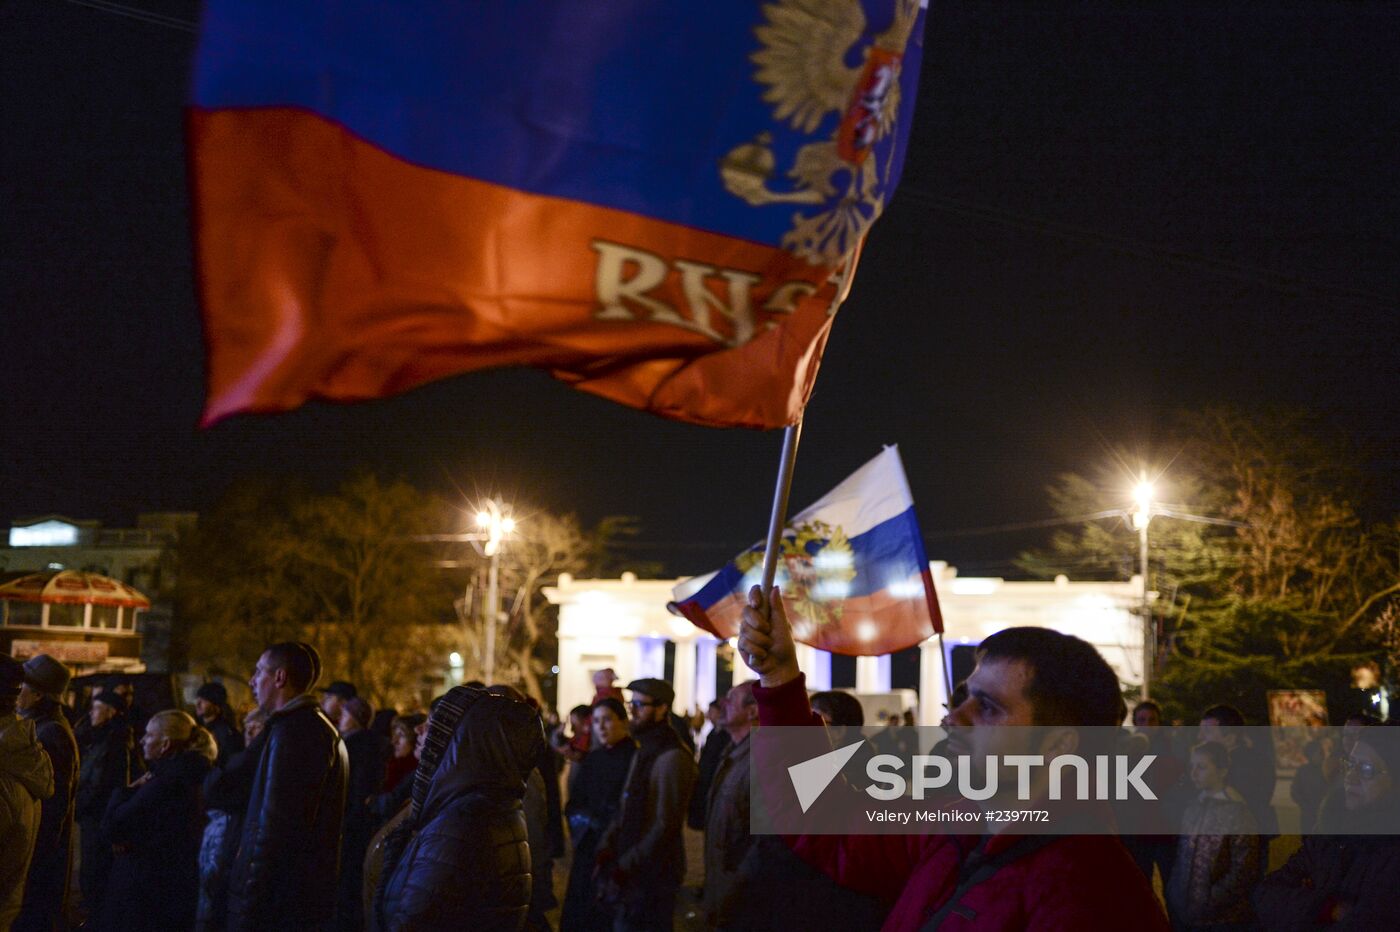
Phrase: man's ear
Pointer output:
(279, 677)
(1059, 740)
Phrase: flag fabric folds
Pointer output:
(652, 200)
(853, 572)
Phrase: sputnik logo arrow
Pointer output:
(811, 777)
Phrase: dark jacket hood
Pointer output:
(493, 749)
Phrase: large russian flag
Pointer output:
(652, 199)
(853, 572)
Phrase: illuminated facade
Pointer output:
(141, 557)
(623, 623)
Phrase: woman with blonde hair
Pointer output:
(154, 826)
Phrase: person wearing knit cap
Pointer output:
(1346, 880)
(462, 857)
(26, 779)
(212, 708)
(40, 702)
(107, 761)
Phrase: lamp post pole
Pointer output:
(1149, 630)
(497, 524)
(492, 612)
(1141, 517)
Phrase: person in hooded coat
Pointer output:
(26, 780)
(155, 827)
(465, 856)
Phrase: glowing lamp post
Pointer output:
(497, 525)
(1142, 496)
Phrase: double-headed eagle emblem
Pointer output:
(801, 64)
(816, 570)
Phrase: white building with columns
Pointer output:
(623, 623)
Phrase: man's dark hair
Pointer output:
(1070, 683)
(613, 705)
(1149, 705)
(296, 660)
(843, 708)
(1226, 715)
(581, 710)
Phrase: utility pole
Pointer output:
(1143, 496)
(497, 524)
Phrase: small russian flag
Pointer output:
(853, 572)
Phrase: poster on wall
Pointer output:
(1291, 713)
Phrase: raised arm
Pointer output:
(875, 865)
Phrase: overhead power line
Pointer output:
(139, 14)
(1025, 525)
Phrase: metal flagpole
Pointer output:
(943, 662)
(777, 518)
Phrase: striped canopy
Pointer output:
(72, 587)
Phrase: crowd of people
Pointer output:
(313, 812)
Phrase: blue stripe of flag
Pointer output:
(890, 553)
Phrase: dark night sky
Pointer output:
(1109, 211)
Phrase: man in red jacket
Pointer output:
(1024, 676)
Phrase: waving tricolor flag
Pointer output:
(651, 199)
(853, 573)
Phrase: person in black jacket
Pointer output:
(591, 809)
(462, 858)
(366, 751)
(288, 859)
(154, 826)
(211, 706)
(711, 753)
(107, 763)
(40, 701)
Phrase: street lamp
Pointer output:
(1142, 495)
(497, 525)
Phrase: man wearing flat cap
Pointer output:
(641, 857)
(41, 702)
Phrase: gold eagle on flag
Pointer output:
(818, 567)
(802, 66)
